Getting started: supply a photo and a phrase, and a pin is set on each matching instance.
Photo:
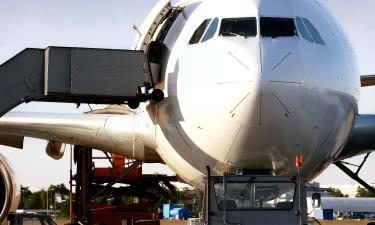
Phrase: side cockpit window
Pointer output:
(302, 30)
(243, 26)
(308, 31)
(207, 29)
(211, 30)
(277, 27)
(198, 33)
(313, 31)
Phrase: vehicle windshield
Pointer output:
(255, 195)
(243, 26)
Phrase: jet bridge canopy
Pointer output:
(75, 75)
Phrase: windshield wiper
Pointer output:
(227, 33)
(243, 192)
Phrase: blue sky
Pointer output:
(108, 24)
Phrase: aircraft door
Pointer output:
(160, 49)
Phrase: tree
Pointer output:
(60, 188)
(25, 193)
(38, 200)
(363, 192)
(336, 192)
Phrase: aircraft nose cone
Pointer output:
(243, 83)
(270, 129)
(281, 60)
(281, 81)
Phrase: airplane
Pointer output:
(248, 84)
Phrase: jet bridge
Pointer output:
(76, 75)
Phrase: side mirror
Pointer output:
(316, 200)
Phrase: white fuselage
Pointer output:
(235, 102)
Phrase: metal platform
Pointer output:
(75, 75)
(97, 200)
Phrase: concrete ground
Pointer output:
(322, 222)
(344, 222)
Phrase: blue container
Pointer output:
(180, 213)
(185, 213)
(166, 209)
(175, 213)
(328, 214)
(318, 214)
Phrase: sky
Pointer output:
(108, 24)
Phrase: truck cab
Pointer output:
(255, 200)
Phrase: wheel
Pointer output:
(157, 95)
(133, 104)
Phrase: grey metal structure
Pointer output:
(76, 75)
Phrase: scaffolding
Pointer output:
(118, 194)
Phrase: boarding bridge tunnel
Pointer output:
(77, 75)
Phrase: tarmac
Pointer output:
(319, 222)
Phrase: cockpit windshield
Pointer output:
(276, 27)
(247, 27)
(243, 26)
